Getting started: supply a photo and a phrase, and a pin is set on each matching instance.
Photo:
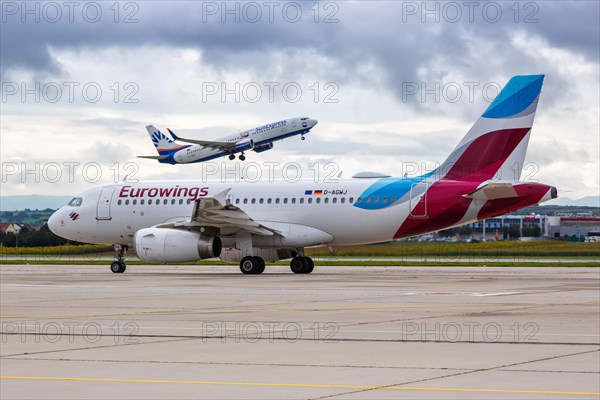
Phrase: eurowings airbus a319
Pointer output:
(254, 223)
(258, 139)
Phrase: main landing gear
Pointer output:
(118, 267)
(302, 137)
(302, 265)
(242, 157)
(251, 265)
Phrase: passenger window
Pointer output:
(310, 200)
(394, 199)
(173, 201)
(253, 200)
(351, 200)
(301, 200)
(358, 201)
(260, 201)
(368, 200)
(237, 201)
(375, 199)
(318, 200)
(165, 201)
(189, 201)
(384, 201)
(245, 201)
(142, 201)
(127, 202)
(134, 202)
(119, 202)
(293, 200)
(277, 200)
(180, 201)
(285, 201)
(269, 200)
(149, 202)
(343, 200)
(334, 200)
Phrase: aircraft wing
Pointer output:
(154, 157)
(224, 146)
(493, 191)
(217, 212)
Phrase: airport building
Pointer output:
(542, 227)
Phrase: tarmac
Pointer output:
(80, 331)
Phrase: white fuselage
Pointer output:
(247, 140)
(113, 213)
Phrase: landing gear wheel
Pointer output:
(261, 267)
(242, 157)
(298, 265)
(302, 137)
(311, 265)
(252, 265)
(232, 156)
(117, 267)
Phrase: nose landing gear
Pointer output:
(118, 267)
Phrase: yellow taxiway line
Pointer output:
(301, 385)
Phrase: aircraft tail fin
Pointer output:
(495, 147)
(164, 145)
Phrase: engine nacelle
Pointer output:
(172, 245)
(263, 147)
(245, 145)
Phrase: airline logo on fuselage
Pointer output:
(174, 191)
(268, 127)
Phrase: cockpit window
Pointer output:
(76, 202)
(303, 119)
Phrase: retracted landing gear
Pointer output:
(252, 265)
(302, 265)
(118, 267)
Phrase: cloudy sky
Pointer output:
(394, 85)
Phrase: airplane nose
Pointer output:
(54, 222)
(313, 122)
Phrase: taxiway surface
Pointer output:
(77, 331)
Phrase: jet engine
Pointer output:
(263, 147)
(167, 245)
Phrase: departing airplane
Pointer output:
(258, 139)
(254, 223)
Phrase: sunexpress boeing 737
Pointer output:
(254, 223)
(258, 139)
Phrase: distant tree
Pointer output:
(514, 232)
(532, 230)
(9, 240)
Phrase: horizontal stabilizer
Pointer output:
(154, 157)
(493, 191)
